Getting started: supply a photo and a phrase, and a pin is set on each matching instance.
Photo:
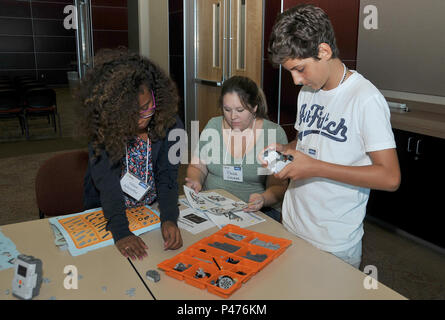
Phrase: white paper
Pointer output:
(194, 221)
(219, 209)
(239, 218)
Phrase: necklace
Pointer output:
(345, 71)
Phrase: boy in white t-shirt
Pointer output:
(344, 145)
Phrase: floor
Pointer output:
(413, 269)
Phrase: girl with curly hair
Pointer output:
(130, 106)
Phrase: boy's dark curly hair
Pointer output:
(109, 94)
(298, 32)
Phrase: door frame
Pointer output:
(84, 37)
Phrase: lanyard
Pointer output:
(247, 146)
(146, 161)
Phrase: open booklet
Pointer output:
(215, 207)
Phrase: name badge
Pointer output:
(134, 187)
(233, 173)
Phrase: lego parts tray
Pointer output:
(222, 262)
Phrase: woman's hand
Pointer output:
(132, 247)
(193, 184)
(172, 236)
(256, 202)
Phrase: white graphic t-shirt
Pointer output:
(338, 126)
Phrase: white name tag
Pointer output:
(233, 173)
(134, 187)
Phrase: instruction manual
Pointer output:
(86, 231)
(8, 252)
(220, 209)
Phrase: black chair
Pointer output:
(41, 102)
(19, 80)
(6, 85)
(27, 85)
(5, 81)
(10, 107)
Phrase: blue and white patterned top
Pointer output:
(137, 152)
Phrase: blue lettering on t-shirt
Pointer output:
(317, 122)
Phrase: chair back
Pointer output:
(31, 85)
(59, 183)
(9, 99)
(40, 98)
(6, 85)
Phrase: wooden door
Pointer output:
(228, 40)
(247, 29)
(209, 58)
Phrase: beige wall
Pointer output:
(153, 31)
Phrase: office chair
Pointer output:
(41, 102)
(10, 106)
(59, 184)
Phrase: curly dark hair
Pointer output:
(298, 32)
(109, 94)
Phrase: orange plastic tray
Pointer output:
(251, 251)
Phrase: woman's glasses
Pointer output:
(146, 111)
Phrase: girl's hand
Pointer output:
(132, 247)
(172, 236)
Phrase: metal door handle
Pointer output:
(211, 83)
(418, 147)
(409, 144)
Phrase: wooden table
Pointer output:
(301, 272)
(102, 274)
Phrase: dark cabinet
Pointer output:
(416, 207)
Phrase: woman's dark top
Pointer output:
(102, 185)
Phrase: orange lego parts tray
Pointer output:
(222, 262)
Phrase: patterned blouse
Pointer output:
(137, 152)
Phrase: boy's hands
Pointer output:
(302, 167)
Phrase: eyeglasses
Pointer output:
(147, 108)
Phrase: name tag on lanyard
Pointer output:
(233, 173)
(134, 187)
